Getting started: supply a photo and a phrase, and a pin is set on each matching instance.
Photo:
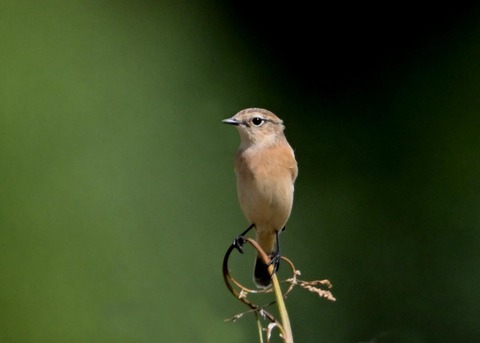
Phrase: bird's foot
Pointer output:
(239, 241)
(275, 260)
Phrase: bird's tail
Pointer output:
(261, 275)
(266, 240)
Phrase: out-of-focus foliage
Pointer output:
(117, 192)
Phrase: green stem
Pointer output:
(282, 309)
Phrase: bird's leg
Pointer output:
(239, 241)
(275, 256)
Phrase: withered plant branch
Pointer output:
(284, 327)
(312, 286)
(242, 295)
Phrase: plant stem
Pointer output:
(282, 309)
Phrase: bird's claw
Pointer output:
(275, 260)
(238, 243)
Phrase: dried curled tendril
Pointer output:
(241, 292)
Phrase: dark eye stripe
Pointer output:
(264, 120)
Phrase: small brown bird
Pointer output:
(266, 170)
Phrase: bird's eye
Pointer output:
(257, 121)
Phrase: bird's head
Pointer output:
(257, 126)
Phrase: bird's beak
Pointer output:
(231, 121)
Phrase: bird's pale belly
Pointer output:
(267, 206)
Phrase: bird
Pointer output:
(266, 170)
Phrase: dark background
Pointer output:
(329, 47)
(117, 192)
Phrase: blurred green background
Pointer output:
(117, 192)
